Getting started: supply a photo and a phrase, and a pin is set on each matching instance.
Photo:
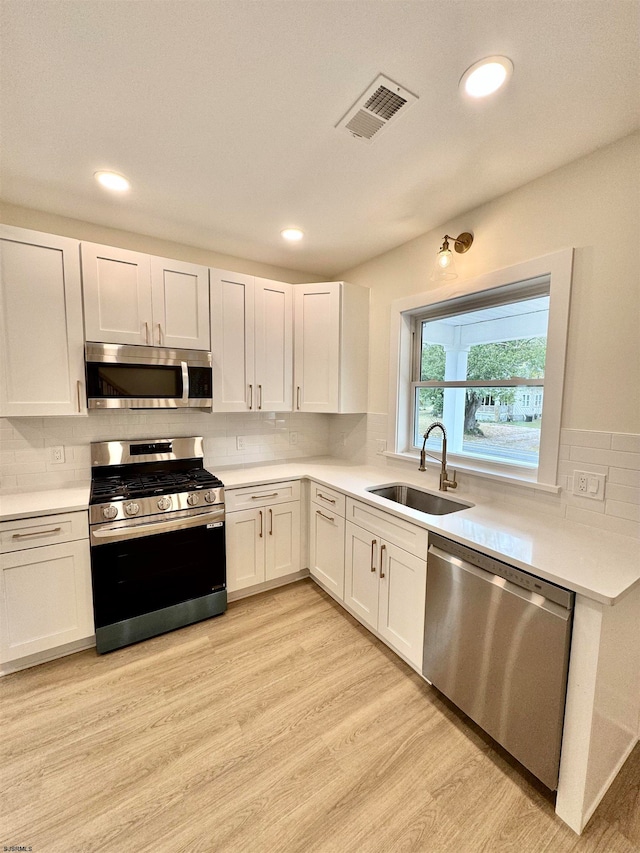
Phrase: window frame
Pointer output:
(557, 267)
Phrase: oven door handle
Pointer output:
(185, 383)
(106, 534)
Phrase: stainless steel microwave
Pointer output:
(137, 377)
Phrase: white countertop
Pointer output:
(51, 502)
(598, 564)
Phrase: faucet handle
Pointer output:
(451, 484)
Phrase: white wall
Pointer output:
(593, 205)
(50, 223)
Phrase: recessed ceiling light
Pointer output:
(112, 181)
(486, 76)
(292, 234)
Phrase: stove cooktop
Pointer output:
(122, 487)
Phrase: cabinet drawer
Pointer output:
(43, 530)
(266, 494)
(402, 533)
(328, 498)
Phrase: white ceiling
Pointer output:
(222, 113)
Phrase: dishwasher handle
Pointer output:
(541, 593)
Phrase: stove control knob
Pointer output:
(193, 499)
(210, 496)
(132, 508)
(110, 511)
(164, 503)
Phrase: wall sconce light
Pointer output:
(444, 269)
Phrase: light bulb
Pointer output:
(112, 181)
(444, 258)
(292, 234)
(486, 76)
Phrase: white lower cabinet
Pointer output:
(263, 544)
(385, 588)
(326, 548)
(45, 589)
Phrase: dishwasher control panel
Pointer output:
(496, 567)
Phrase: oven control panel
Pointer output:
(117, 510)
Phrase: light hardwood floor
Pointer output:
(282, 725)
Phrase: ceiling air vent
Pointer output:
(377, 107)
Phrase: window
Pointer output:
(486, 357)
(478, 371)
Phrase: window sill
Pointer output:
(479, 471)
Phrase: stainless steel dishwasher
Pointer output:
(497, 644)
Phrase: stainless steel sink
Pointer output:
(417, 499)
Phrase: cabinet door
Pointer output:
(282, 540)
(273, 345)
(232, 346)
(361, 573)
(403, 583)
(180, 304)
(326, 548)
(245, 535)
(317, 347)
(41, 336)
(117, 295)
(45, 596)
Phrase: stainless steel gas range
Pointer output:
(157, 539)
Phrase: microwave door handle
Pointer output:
(185, 383)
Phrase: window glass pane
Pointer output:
(509, 359)
(432, 359)
(497, 424)
(498, 342)
(503, 423)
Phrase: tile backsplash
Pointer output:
(254, 438)
(359, 438)
(230, 440)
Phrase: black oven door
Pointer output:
(146, 585)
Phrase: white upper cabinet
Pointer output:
(41, 337)
(180, 304)
(251, 323)
(133, 298)
(331, 347)
(273, 335)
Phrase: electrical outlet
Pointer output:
(240, 442)
(589, 485)
(381, 446)
(293, 437)
(56, 455)
(343, 439)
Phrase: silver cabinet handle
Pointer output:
(250, 396)
(325, 498)
(383, 548)
(159, 334)
(259, 396)
(146, 332)
(328, 517)
(298, 398)
(260, 497)
(260, 511)
(270, 522)
(373, 550)
(78, 388)
(36, 533)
